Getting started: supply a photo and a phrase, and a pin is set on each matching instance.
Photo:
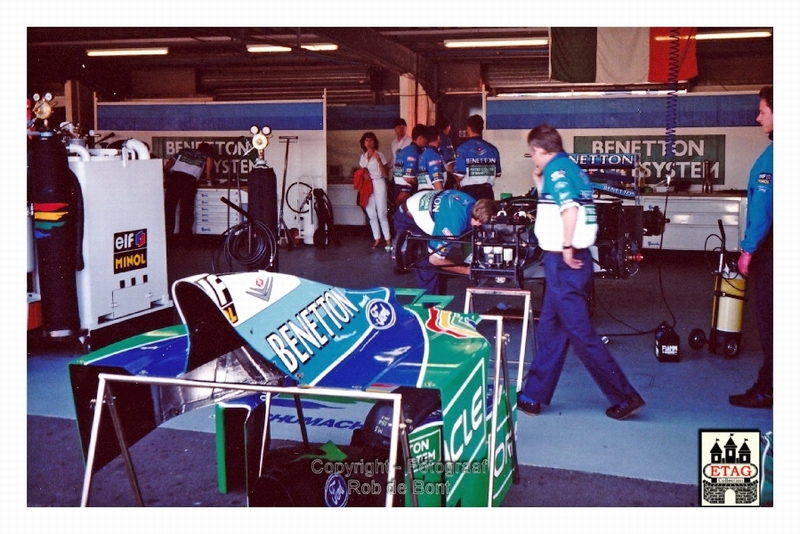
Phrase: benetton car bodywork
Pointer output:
(271, 329)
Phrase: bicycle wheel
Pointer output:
(299, 197)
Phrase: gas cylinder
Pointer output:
(730, 288)
(57, 214)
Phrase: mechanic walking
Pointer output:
(566, 226)
(755, 261)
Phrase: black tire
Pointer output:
(408, 251)
(320, 238)
(400, 246)
(697, 338)
(270, 490)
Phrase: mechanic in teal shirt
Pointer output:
(566, 226)
(440, 215)
(755, 261)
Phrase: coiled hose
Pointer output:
(250, 246)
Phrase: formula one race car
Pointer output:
(322, 395)
(504, 251)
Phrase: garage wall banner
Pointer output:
(211, 116)
(691, 152)
(693, 111)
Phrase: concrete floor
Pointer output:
(659, 444)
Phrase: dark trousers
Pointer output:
(565, 321)
(761, 278)
(428, 278)
(181, 189)
(479, 191)
(400, 193)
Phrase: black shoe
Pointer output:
(530, 408)
(626, 408)
(752, 398)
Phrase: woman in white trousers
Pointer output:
(376, 164)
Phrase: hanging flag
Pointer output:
(683, 39)
(622, 56)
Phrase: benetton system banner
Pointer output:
(690, 154)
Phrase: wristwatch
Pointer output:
(565, 247)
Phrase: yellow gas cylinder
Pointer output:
(729, 291)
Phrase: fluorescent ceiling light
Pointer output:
(494, 43)
(257, 49)
(319, 47)
(109, 52)
(733, 35)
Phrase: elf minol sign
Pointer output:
(130, 250)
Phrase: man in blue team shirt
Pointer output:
(406, 165)
(755, 261)
(442, 214)
(477, 162)
(566, 226)
(430, 170)
(446, 150)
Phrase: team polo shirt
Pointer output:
(477, 161)
(565, 185)
(406, 164)
(446, 149)
(446, 213)
(759, 202)
(430, 169)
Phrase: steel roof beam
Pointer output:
(381, 52)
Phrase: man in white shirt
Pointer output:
(400, 141)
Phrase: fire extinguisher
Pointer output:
(58, 233)
(728, 305)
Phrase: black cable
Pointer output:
(637, 332)
(249, 246)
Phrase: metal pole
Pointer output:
(282, 228)
(495, 404)
(123, 447)
(90, 454)
(264, 433)
(509, 410)
(407, 458)
(397, 409)
(301, 420)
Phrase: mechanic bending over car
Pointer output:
(441, 214)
